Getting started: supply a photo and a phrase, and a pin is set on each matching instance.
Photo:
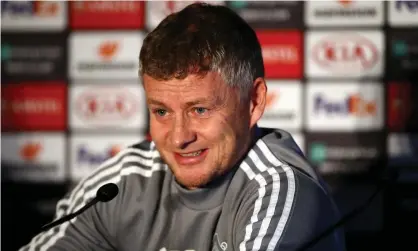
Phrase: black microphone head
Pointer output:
(107, 192)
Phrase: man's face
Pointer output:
(199, 126)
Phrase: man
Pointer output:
(210, 179)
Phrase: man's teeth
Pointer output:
(191, 154)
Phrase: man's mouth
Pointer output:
(197, 153)
(191, 158)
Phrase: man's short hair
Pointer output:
(202, 38)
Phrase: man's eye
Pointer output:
(200, 110)
(160, 112)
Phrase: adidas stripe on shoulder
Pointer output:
(142, 159)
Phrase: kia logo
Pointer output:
(106, 105)
(345, 53)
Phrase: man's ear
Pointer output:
(258, 97)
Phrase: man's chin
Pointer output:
(190, 179)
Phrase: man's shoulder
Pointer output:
(141, 159)
(138, 162)
(269, 167)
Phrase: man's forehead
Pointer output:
(194, 89)
(211, 80)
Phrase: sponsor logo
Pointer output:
(269, 14)
(89, 152)
(93, 105)
(105, 55)
(272, 98)
(121, 106)
(321, 152)
(31, 61)
(281, 53)
(108, 49)
(30, 151)
(86, 156)
(34, 107)
(30, 8)
(33, 157)
(401, 48)
(411, 6)
(404, 56)
(106, 52)
(161, 9)
(345, 106)
(284, 106)
(345, 153)
(339, 53)
(345, 2)
(22, 57)
(33, 14)
(107, 14)
(344, 13)
(403, 13)
(354, 105)
(346, 54)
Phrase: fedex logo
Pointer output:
(353, 105)
(85, 155)
(412, 6)
(30, 8)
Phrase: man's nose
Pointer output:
(182, 134)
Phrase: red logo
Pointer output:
(282, 53)
(114, 150)
(343, 53)
(106, 105)
(46, 8)
(399, 105)
(107, 14)
(345, 3)
(30, 151)
(34, 106)
(108, 49)
(271, 98)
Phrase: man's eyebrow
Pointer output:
(187, 104)
(155, 102)
(198, 101)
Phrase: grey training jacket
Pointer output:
(272, 200)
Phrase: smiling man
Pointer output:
(210, 179)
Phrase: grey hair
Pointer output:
(236, 73)
(204, 38)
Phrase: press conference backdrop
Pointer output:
(341, 78)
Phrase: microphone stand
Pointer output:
(69, 216)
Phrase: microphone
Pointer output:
(389, 177)
(105, 193)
